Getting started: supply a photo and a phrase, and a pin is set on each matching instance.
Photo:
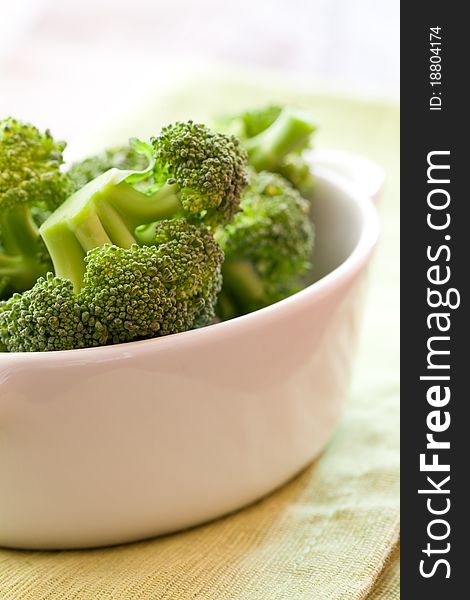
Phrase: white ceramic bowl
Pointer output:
(113, 444)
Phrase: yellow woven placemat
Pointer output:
(332, 533)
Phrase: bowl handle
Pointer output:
(367, 176)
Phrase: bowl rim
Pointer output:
(353, 263)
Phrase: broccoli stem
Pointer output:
(289, 132)
(20, 233)
(137, 208)
(20, 262)
(67, 255)
(107, 210)
(145, 234)
(20, 273)
(243, 284)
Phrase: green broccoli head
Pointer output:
(119, 157)
(296, 169)
(207, 167)
(29, 167)
(147, 291)
(275, 138)
(127, 294)
(268, 245)
(31, 186)
(124, 292)
(46, 317)
(191, 262)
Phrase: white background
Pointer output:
(70, 64)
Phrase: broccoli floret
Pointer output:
(120, 157)
(267, 247)
(31, 186)
(46, 317)
(193, 173)
(275, 138)
(208, 168)
(297, 171)
(133, 255)
(147, 291)
(127, 294)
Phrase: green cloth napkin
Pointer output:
(332, 533)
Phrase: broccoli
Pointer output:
(133, 255)
(267, 246)
(121, 157)
(275, 138)
(127, 294)
(31, 186)
(192, 173)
